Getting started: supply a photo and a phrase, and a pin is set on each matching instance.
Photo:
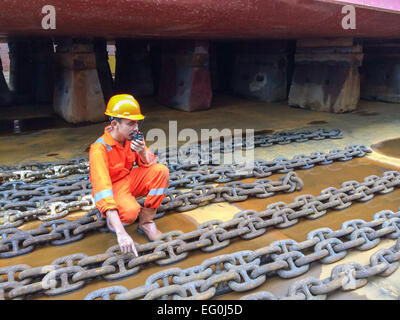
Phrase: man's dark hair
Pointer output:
(115, 118)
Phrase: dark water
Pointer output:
(389, 148)
(32, 124)
(365, 113)
(318, 122)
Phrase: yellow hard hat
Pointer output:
(124, 106)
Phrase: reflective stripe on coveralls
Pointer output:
(157, 192)
(115, 184)
(138, 183)
(103, 194)
(101, 140)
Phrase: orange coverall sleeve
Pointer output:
(153, 159)
(100, 178)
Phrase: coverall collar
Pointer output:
(108, 139)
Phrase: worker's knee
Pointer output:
(129, 214)
(161, 170)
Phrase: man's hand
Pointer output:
(138, 146)
(126, 243)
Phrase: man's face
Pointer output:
(126, 127)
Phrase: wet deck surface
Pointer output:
(315, 180)
(372, 124)
(389, 148)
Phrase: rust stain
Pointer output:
(389, 148)
(315, 180)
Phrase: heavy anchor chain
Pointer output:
(174, 200)
(30, 172)
(245, 270)
(186, 176)
(242, 271)
(204, 151)
(345, 277)
(52, 199)
(246, 224)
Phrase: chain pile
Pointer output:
(53, 199)
(30, 172)
(243, 270)
(349, 276)
(230, 192)
(246, 270)
(239, 271)
(55, 208)
(212, 235)
(180, 177)
(206, 150)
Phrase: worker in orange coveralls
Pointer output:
(116, 184)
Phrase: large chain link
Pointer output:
(30, 172)
(53, 199)
(245, 270)
(345, 277)
(239, 271)
(214, 234)
(53, 208)
(202, 152)
(191, 175)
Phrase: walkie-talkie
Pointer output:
(137, 136)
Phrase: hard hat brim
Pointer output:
(133, 117)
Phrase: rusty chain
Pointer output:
(204, 151)
(177, 200)
(345, 277)
(71, 276)
(191, 175)
(286, 258)
(247, 224)
(30, 172)
(246, 270)
(53, 199)
(188, 176)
